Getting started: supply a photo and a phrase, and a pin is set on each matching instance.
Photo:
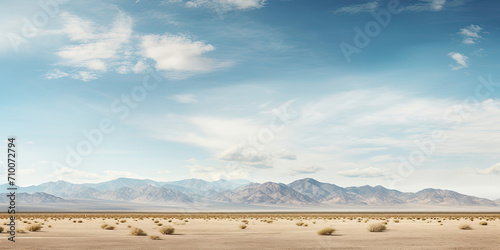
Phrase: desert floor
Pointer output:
(210, 231)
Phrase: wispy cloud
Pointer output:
(461, 60)
(185, 98)
(227, 5)
(179, 54)
(470, 34)
(495, 169)
(305, 170)
(363, 173)
(357, 8)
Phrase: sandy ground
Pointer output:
(280, 234)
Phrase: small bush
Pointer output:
(167, 230)
(465, 227)
(482, 223)
(20, 231)
(104, 226)
(34, 227)
(245, 221)
(154, 237)
(138, 232)
(299, 224)
(243, 226)
(396, 221)
(1, 229)
(379, 227)
(326, 231)
(123, 221)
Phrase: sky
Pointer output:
(403, 94)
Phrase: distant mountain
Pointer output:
(303, 192)
(377, 195)
(146, 193)
(37, 197)
(446, 197)
(202, 187)
(267, 193)
(59, 188)
(324, 192)
(122, 182)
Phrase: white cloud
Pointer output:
(470, 34)
(357, 8)
(97, 48)
(495, 169)
(228, 172)
(305, 170)
(227, 5)
(364, 173)
(27, 171)
(164, 172)
(248, 155)
(186, 98)
(65, 173)
(80, 75)
(460, 59)
(179, 53)
(432, 5)
(285, 154)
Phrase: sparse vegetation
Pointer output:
(1, 229)
(483, 223)
(326, 231)
(34, 227)
(299, 224)
(378, 227)
(243, 226)
(138, 232)
(167, 230)
(465, 227)
(155, 237)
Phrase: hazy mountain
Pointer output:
(446, 197)
(122, 182)
(377, 195)
(202, 187)
(37, 197)
(324, 192)
(267, 193)
(307, 192)
(59, 188)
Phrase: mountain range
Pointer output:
(306, 192)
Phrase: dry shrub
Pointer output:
(245, 221)
(20, 231)
(465, 227)
(482, 223)
(123, 221)
(243, 226)
(299, 223)
(1, 229)
(326, 231)
(378, 227)
(154, 237)
(34, 227)
(138, 232)
(167, 230)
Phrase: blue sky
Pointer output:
(254, 89)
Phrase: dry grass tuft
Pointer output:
(482, 223)
(1, 229)
(378, 227)
(326, 231)
(465, 227)
(34, 227)
(154, 237)
(299, 224)
(138, 232)
(243, 226)
(167, 230)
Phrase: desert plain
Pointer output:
(253, 231)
